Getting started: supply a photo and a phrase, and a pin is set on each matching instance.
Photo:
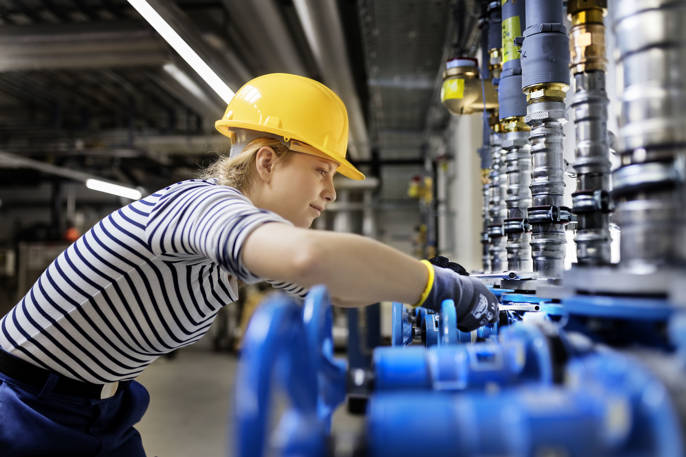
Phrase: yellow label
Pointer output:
(452, 88)
(511, 30)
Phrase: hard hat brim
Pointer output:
(345, 168)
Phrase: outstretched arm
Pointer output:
(354, 268)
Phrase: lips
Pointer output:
(319, 209)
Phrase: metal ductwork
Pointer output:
(275, 50)
(322, 25)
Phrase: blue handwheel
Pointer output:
(273, 356)
(331, 372)
(448, 323)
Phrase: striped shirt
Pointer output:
(144, 281)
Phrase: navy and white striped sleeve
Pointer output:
(294, 290)
(200, 218)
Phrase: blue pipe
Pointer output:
(611, 406)
(523, 355)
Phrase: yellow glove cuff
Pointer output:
(429, 283)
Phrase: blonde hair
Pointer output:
(237, 171)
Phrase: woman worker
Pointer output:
(150, 277)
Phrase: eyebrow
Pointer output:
(328, 164)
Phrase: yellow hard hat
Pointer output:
(306, 113)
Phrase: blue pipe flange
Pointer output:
(677, 334)
(401, 325)
(331, 373)
(431, 328)
(275, 354)
(645, 417)
(533, 351)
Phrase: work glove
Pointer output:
(475, 305)
(444, 262)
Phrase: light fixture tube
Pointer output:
(185, 51)
(114, 189)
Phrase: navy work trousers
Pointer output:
(35, 423)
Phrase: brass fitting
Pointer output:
(462, 91)
(515, 124)
(485, 176)
(493, 119)
(587, 35)
(574, 6)
(546, 92)
(495, 61)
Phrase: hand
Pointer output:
(475, 304)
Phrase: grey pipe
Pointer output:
(649, 186)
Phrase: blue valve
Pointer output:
(273, 348)
(401, 330)
(331, 372)
(523, 355)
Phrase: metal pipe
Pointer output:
(494, 40)
(592, 164)
(324, 32)
(518, 172)
(515, 153)
(545, 80)
(649, 185)
(496, 203)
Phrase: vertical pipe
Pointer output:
(490, 69)
(592, 161)
(494, 44)
(518, 172)
(515, 153)
(496, 204)
(545, 80)
(649, 186)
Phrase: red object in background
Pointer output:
(71, 234)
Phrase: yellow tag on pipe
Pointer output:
(511, 30)
(452, 88)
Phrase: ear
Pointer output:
(265, 160)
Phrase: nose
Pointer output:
(329, 193)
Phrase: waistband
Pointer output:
(47, 381)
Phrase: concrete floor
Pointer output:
(191, 397)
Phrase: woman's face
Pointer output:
(301, 188)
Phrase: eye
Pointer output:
(322, 171)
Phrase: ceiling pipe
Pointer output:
(101, 45)
(275, 49)
(92, 182)
(321, 23)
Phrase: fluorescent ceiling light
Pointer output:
(185, 82)
(114, 189)
(185, 51)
